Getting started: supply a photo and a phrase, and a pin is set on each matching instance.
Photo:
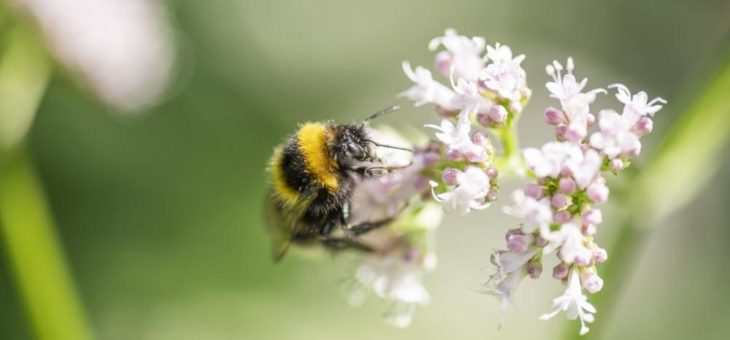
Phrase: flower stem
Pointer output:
(33, 249)
(40, 268)
(508, 163)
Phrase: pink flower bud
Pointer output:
(567, 185)
(598, 192)
(510, 232)
(534, 269)
(476, 157)
(484, 120)
(443, 62)
(560, 201)
(420, 183)
(515, 106)
(593, 216)
(444, 113)
(479, 138)
(617, 164)
(565, 171)
(560, 271)
(583, 257)
(553, 116)
(563, 216)
(526, 92)
(430, 158)
(450, 175)
(540, 241)
(591, 281)
(590, 119)
(644, 126)
(454, 155)
(498, 113)
(573, 134)
(492, 172)
(519, 243)
(600, 255)
(535, 191)
(588, 229)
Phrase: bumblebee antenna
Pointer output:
(388, 146)
(384, 111)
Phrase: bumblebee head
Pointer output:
(351, 148)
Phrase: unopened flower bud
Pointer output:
(590, 119)
(519, 243)
(560, 271)
(598, 192)
(443, 62)
(593, 216)
(563, 216)
(534, 269)
(588, 229)
(430, 158)
(553, 116)
(498, 113)
(450, 175)
(515, 106)
(510, 232)
(484, 120)
(617, 164)
(445, 113)
(535, 191)
(600, 255)
(573, 134)
(591, 281)
(583, 257)
(560, 201)
(540, 241)
(560, 131)
(492, 172)
(644, 126)
(454, 155)
(567, 185)
(479, 138)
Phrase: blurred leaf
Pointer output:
(690, 153)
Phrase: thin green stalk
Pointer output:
(683, 163)
(27, 232)
(41, 273)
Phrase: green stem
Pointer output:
(509, 163)
(40, 269)
(41, 272)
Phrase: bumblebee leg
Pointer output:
(341, 243)
(362, 228)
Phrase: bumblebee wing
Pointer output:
(281, 221)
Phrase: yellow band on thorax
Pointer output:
(312, 138)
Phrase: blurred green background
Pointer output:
(159, 214)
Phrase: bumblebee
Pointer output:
(313, 174)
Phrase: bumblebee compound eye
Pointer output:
(355, 151)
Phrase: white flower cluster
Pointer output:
(488, 87)
(558, 210)
(492, 84)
